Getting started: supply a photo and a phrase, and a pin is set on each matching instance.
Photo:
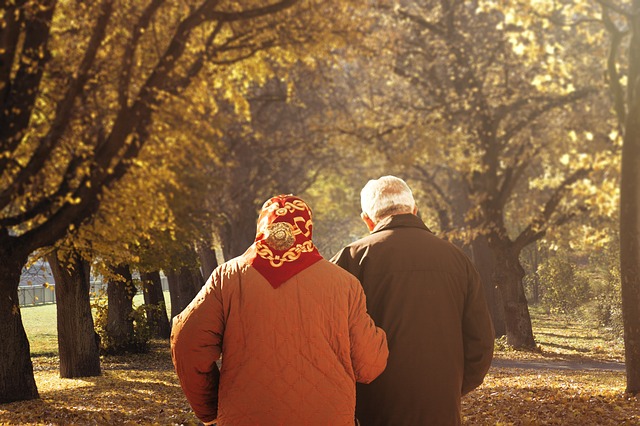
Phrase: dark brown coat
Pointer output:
(425, 293)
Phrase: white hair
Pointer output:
(386, 196)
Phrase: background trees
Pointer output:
(151, 137)
(623, 26)
(80, 86)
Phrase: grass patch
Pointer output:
(41, 325)
(565, 338)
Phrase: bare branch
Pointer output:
(612, 67)
(420, 21)
(548, 104)
(539, 224)
(606, 4)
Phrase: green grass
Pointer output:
(563, 337)
(557, 336)
(40, 324)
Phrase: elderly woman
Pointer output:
(292, 329)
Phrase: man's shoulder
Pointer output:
(329, 267)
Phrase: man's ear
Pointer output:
(367, 220)
(415, 210)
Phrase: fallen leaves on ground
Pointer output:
(551, 397)
(144, 390)
(133, 390)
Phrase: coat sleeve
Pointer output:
(369, 351)
(196, 345)
(478, 334)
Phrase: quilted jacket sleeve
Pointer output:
(196, 345)
(369, 351)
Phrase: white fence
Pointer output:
(42, 294)
(36, 295)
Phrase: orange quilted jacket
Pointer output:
(290, 356)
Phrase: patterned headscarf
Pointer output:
(283, 245)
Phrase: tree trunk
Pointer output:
(196, 280)
(77, 339)
(182, 289)
(485, 263)
(536, 277)
(509, 275)
(236, 237)
(630, 214)
(154, 297)
(16, 370)
(208, 260)
(120, 332)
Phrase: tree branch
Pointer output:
(550, 103)
(63, 111)
(129, 131)
(18, 94)
(541, 223)
(612, 68)
(127, 57)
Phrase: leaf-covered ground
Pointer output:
(143, 389)
(546, 389)
(133, 390)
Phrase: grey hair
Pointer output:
(386, 196)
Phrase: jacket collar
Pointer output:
(406, 220)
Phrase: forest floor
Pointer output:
(576, 377)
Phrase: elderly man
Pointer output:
(425, 293)
(292, 329)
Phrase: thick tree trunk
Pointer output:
(182, 289)
(208, 260)
(630, 215)
(485, 263)
(120, 332)
(196, 280)
(77, 339)
(16, 370)
(509, 274)
(154, 297)
(236, 237)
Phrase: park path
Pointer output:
(584, 365)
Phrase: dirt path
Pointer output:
(558, 365)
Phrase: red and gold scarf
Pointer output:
(283, 245)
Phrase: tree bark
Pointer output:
(509, 275)
(208, 260)
(182, 289)
(485, 263)
(120, 294)
(154, 297)
(77, 339)
(237, 235)
(16, 370)
(630, 213)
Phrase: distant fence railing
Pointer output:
(34, 295)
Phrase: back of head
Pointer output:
(386, 196)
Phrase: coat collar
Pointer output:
(406, 220)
